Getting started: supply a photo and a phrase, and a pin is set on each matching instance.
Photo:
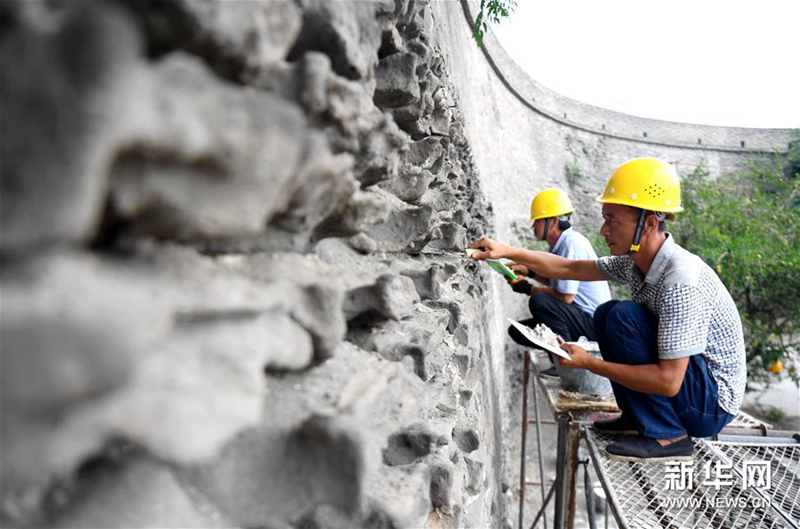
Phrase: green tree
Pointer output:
(491, 11)
(745, 226)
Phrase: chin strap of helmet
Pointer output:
(660, 215)
(546, 226)
(638, 234)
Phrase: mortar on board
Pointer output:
(582, 380)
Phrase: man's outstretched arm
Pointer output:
(542, 263)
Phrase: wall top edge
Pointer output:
(618, 125)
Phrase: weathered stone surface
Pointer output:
(423, 51)
(190, 174)
(353, 124)
(360, 128)
(423, 329)
(362, 243)
(441, 118)
(391, 42)
(349, 35)
(446, 486)
(323, 516)
(454, 307)
(391, 297)
(188, 342)
(326, 183)
(417, 22)
(65, 362)
(323, 461)
(410, 119)
(334, 454)
(410, 184)
(180, 167)
(236, 38)
(379, 151)
(267, 379)
(430, 282)
(415, 338)
(476, 475)
(397, 84)
(381, 395)
(287, 80)
(60, 111)
(410, 444)
(288, 344)
(424, 153)
(452, 237)
(136, 492)
(396, 497)
(309, 295)
(467, 439)
(363, 210)
(317, 307)
(406, 230)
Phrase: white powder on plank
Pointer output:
(544, 333)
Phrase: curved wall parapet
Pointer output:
(572, 113)
(526, 137)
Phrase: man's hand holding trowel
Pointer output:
(484, 252)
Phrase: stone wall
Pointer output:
(234, 290)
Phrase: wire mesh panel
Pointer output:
(745, 420)
(704, 492)
(781, 466)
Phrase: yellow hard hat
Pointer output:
(645, 183)
(550, 203)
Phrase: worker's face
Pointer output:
(619, 226)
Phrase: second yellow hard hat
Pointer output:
(550, 203)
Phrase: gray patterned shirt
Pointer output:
(696, 314)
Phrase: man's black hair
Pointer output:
(564, 224)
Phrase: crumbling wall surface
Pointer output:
(232, 274)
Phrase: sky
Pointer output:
(734, 63)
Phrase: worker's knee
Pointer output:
(539, 303)
(601, 316)
(629, 330)
(628, 318)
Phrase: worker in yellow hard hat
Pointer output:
(675, 353)
(564, 305)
